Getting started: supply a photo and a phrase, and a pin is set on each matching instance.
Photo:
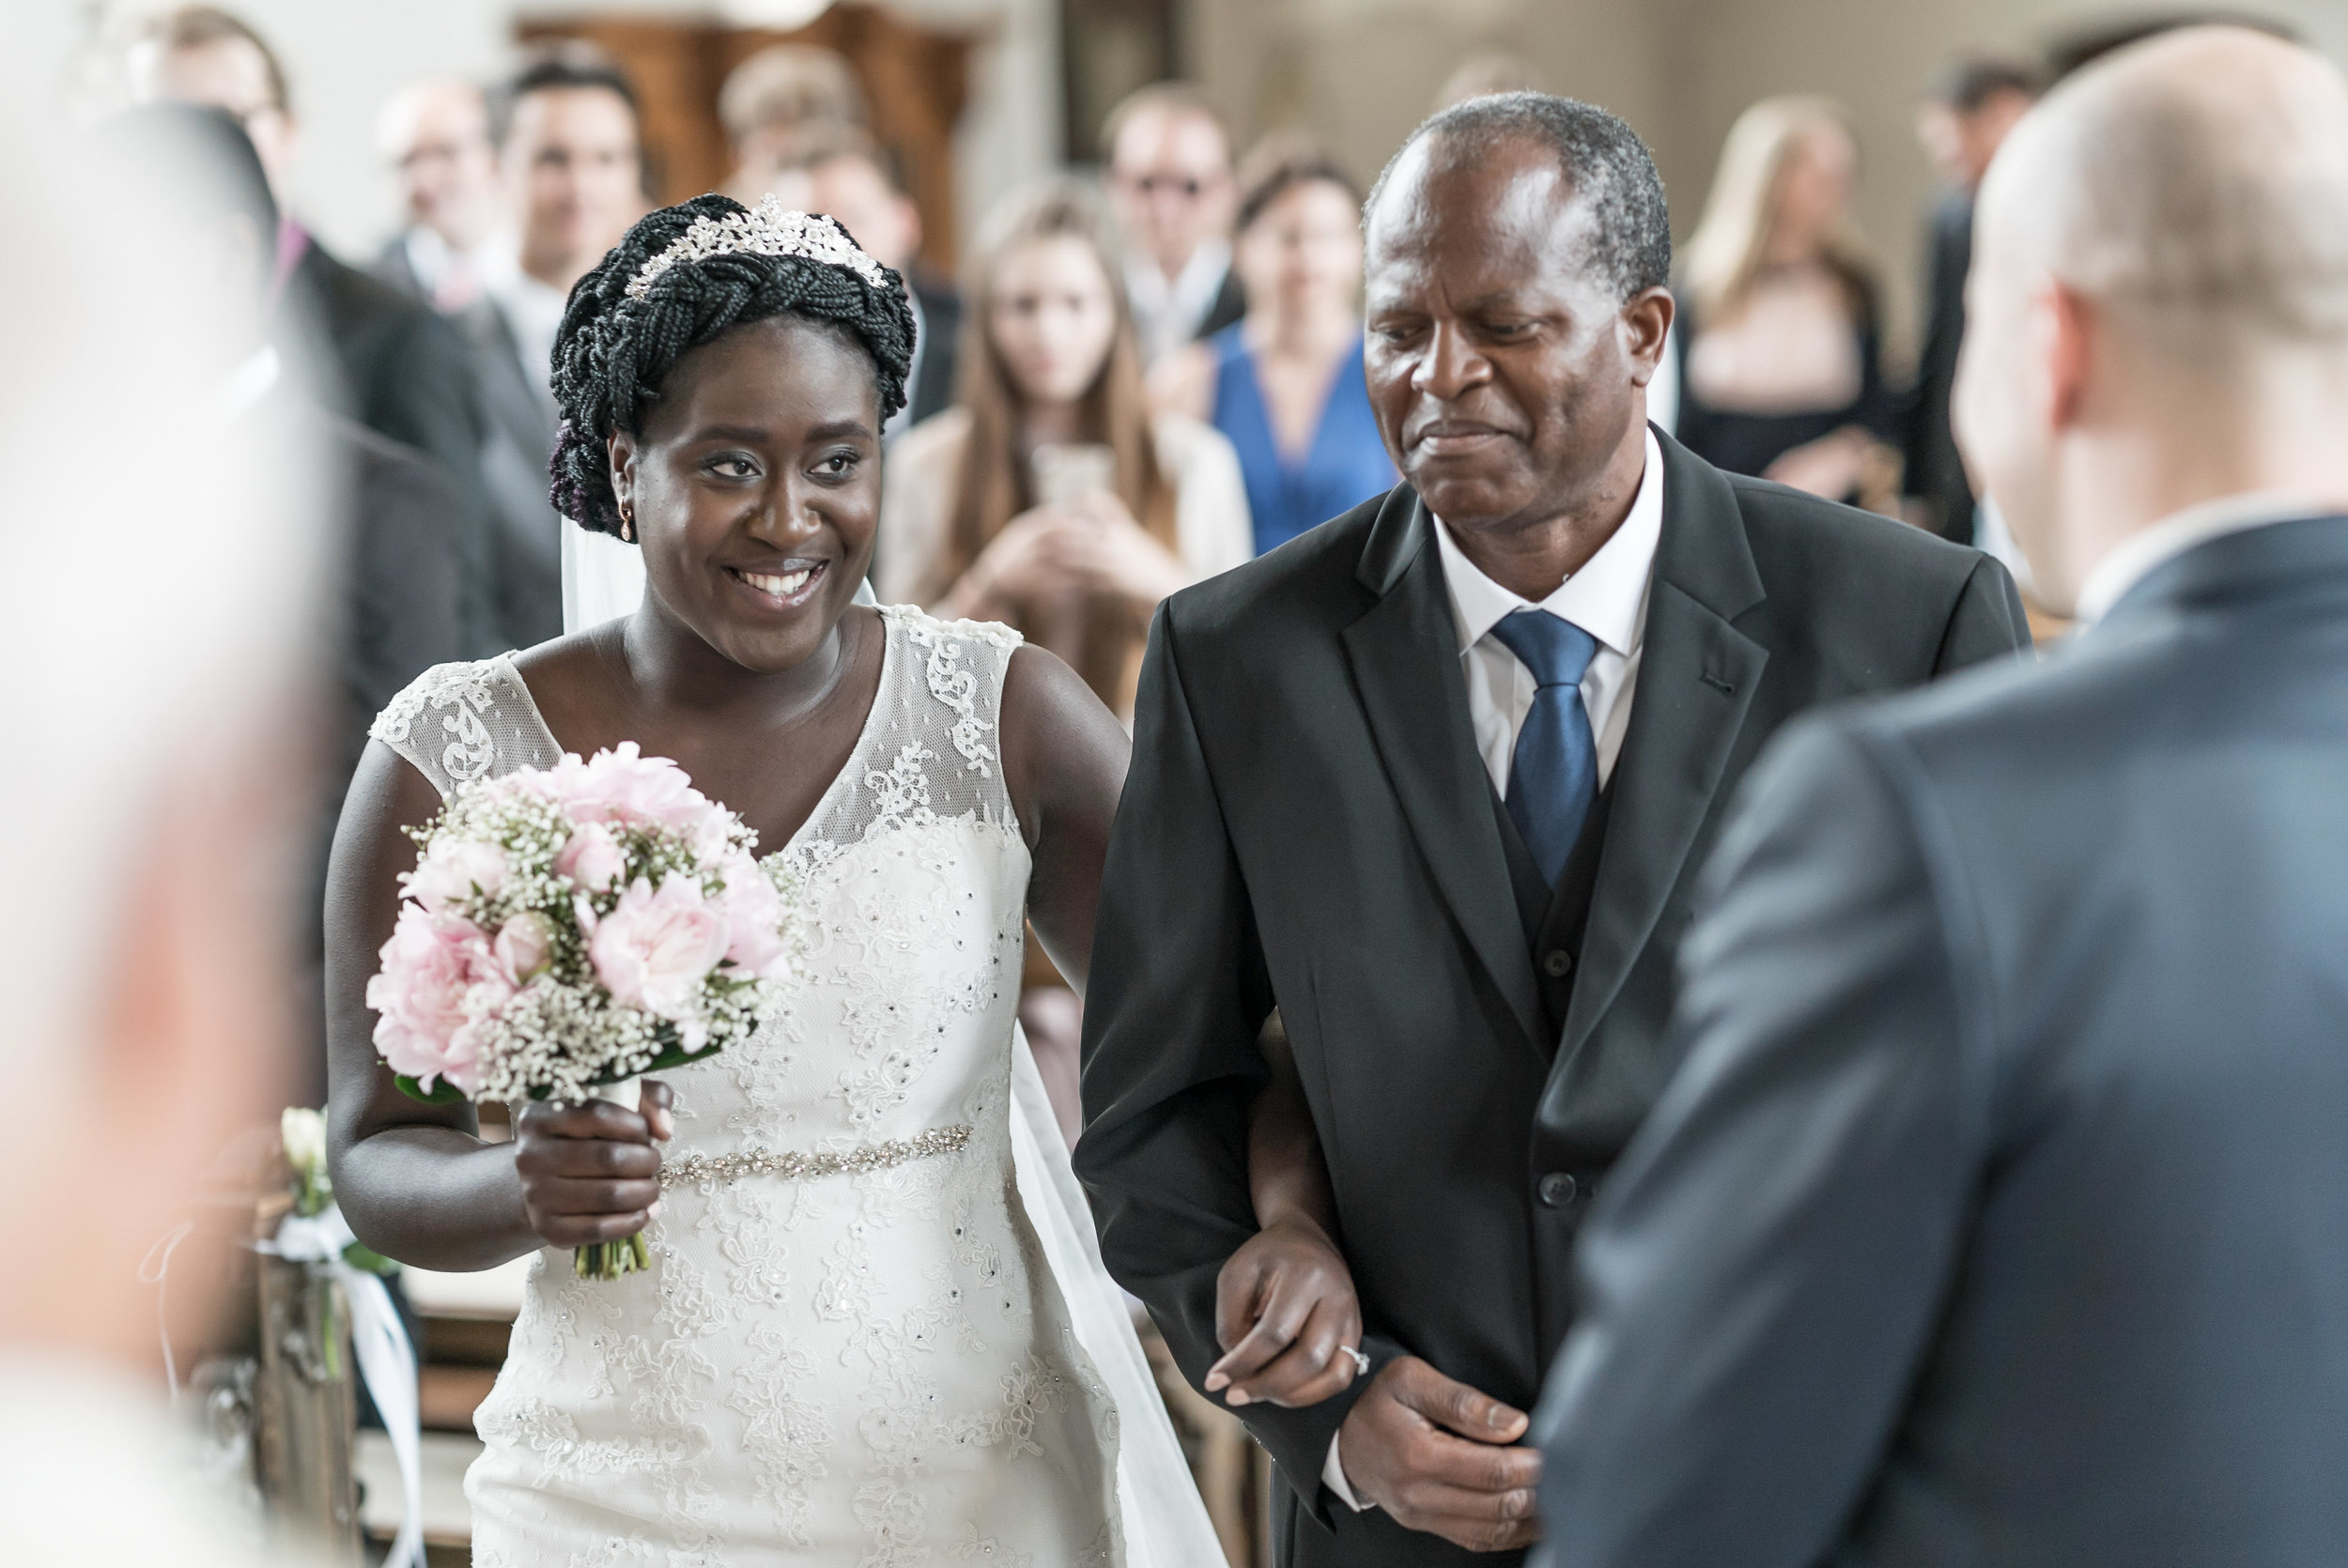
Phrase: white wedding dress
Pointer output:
(921, 1364)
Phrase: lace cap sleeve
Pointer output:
(456, 723)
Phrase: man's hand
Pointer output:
(1439, 1456)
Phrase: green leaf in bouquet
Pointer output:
(677, 1056)
(362, 1256)
(442, 1093)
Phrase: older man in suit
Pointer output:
(2000, 1214)
(1434, 779)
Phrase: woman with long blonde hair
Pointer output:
(1782, 371)
(1049, 497)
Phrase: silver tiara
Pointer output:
(768, 229)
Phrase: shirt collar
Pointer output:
(2135, 558)
(1606, 598)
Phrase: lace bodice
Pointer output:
(872, 1368)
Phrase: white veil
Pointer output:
(1165, 1524)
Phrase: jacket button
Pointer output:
(1558, 963)
(1558, 1188)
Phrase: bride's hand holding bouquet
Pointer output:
(565, 931)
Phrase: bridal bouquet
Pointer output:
(568, 928)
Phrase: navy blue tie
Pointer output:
(1553, 778)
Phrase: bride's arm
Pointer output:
(1064, 758)
(416, 1181)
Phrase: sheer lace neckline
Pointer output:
(827, 803)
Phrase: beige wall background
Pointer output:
(1359, 73)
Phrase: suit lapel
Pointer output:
(1697, 674)
(1404, 654)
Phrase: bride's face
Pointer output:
(755, 487)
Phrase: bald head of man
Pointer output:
(2157, 315)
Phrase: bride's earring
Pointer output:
(626, 521)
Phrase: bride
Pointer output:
(912, 1356)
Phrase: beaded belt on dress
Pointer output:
(693, 1169)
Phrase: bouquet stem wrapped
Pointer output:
(573, 927)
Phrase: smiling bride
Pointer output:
(899, 1346)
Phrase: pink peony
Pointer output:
(621, 785)
(439, 982)
(754, 917)
(655, 950)
(592, 858)
(452, 869)
(524, 947)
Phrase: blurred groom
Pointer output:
(2001, 1213)
(1433, 779)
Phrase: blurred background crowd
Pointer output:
(1131, 229)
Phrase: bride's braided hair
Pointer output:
(613, 351)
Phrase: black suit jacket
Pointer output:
(524, 533)
(1998, 1216)
(1935, 472)
(932, 389)
(1308, 824)
(1230, 303)
(400, 370)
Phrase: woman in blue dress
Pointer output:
(1284, 384)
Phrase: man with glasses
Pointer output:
(1170, 176)
(435, 134)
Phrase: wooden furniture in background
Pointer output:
(917, 81)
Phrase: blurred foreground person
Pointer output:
(1962, 124)
(397, 367)
(160, 756)
(1781, 355)
(1285, 383)
(2000, 1214)
(435, 134)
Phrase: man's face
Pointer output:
(574, 170)
(437, 141)
(225, 73)
(883, 220)
(1961, 143)
(1504, 374)
(1170, 175)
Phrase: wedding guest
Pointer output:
(775, 106)
(565, 130)
(1994, 1216)
(141, 920)
(849, 177)
(1169, 174)
(1962, 123)
(400, 369)
(1284, 384)
(394, 520)
(1781, 368)
(1436, 791)
(435, 134)
(1049, 498)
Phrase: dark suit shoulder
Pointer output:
(1315, 573)
(1797, 525)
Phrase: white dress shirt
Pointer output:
(1169, 312)
(1608, 599)
(2134, 559)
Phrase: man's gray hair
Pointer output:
(1610, 169)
